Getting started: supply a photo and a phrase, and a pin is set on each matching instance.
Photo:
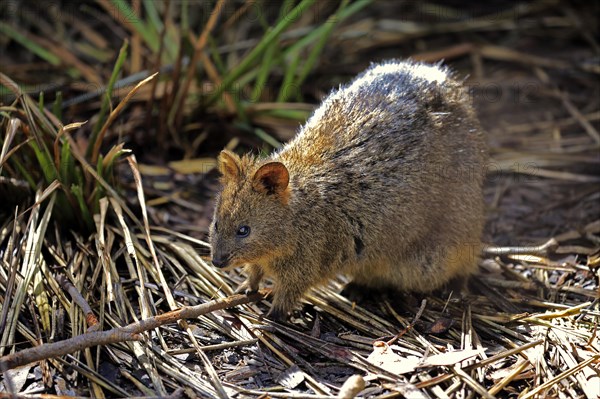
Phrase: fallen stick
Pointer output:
(130, 332)
(536, 250)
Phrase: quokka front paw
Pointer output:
(246, 289)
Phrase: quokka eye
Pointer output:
(243, 231)
(216, 226)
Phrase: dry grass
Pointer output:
(91, 240)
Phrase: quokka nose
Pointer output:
(220, 262)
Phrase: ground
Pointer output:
(527, 327)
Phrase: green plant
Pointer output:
(39, 149)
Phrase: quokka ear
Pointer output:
(271, 178)
(229, 164)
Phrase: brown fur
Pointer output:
(383, 183)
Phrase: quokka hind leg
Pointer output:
(287, 293)
(460, 262)
(284, 301)
(373, 284)
(356, 291)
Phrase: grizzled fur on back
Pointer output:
(382, 183)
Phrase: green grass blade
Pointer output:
(263, 74)
(99, 191)
(291, 114)
(320, 34)
(125, 11)
(260, 48)
(29, 44)
(45, 162)
(107, 96)
(77, 191)
(332, 21)
(185, 20)
(269, 58)
(154, 20)
(288, 78)
(41, 101)
(24, 173)
(57, 106)
(316, 34)
(100, 166)
(215, 56)
(156, 26)
(67, 165)
(267, 138)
